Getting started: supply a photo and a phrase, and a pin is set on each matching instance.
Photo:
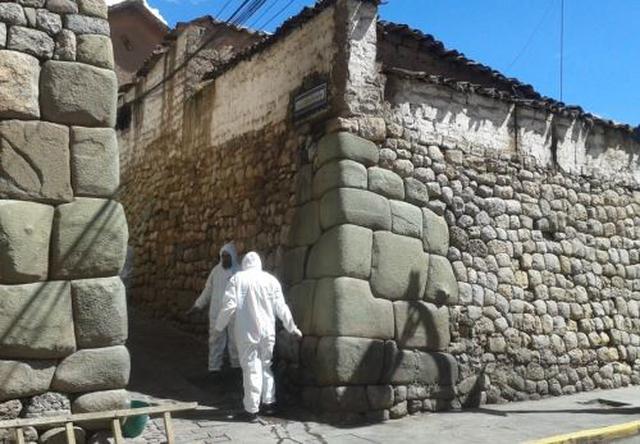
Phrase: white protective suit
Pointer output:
(255, 298)
(212, 295)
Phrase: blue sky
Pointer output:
(520, 38)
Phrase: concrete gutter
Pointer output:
(603, 434)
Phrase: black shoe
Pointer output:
(269, 409)
(247, 417)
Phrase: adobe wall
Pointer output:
(219, 165)
(63, 315)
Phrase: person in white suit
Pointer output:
(255, 298)
(212, 296)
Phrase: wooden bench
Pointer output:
(114, 415)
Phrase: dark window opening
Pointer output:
(123, 121)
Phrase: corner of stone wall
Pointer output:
(369, 286)
(63, 236)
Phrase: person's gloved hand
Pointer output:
(297, 333)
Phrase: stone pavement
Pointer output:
(169, 365)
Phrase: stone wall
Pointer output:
(63, 317)
(467, 247)
(546, 259)
(216, 165)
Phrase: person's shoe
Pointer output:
(269, 409)
(247, 417)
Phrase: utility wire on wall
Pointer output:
(240, 15)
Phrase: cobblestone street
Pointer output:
(170, 366)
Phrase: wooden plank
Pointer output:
(83, 417)
(168, 428)
(117, 431)
(71, 434)
(19, 436)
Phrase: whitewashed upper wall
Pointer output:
(257, 92)
(439, 114)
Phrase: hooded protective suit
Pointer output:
(212, 295)
(255, 298)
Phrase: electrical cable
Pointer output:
(224, 7)
(531, 36)
(263, 14)
(233, 19)
(277, 14)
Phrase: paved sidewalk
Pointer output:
(170, 365)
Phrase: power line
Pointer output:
(224, 7)
(234, 19)
(277, 14)
(561, 48)
(531, 36)
(264, 13)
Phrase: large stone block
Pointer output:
(96, 8)
(65, 46)
(421, 325)
(399, 267)
(346, 307)
(89, 239)
(293, 263)
(305, 227)
(352, 399)
(34, 161)
(25, 229)
(93, 370)
(19, 76)
(81, 24)
(418, 367)
(340, 174)
(31, 41)
(349, 361)
(21, 379)
(36, 321)
(380, 396)
(95, 50)
(100, 312)
(416, 192)
(95, 166)
(358, 207)
(406, 219)
(78, 94)
(442, 285)
(435, 233)
(342, 251)
(386, 182)
(343, 145)
(103, 401)
(304, 184)
(300, 299)
(58, 435)
(12, 14)
(62, 6)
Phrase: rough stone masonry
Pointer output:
(447, 236)
(63, 237)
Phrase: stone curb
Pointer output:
(602, 434)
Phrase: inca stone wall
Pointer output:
(63, 317)
(459, 247)
(546, 259)
(222, 167)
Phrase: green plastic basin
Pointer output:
(134, 425)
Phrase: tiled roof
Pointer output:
(541, 103)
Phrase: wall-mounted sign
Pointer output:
(311, 101)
